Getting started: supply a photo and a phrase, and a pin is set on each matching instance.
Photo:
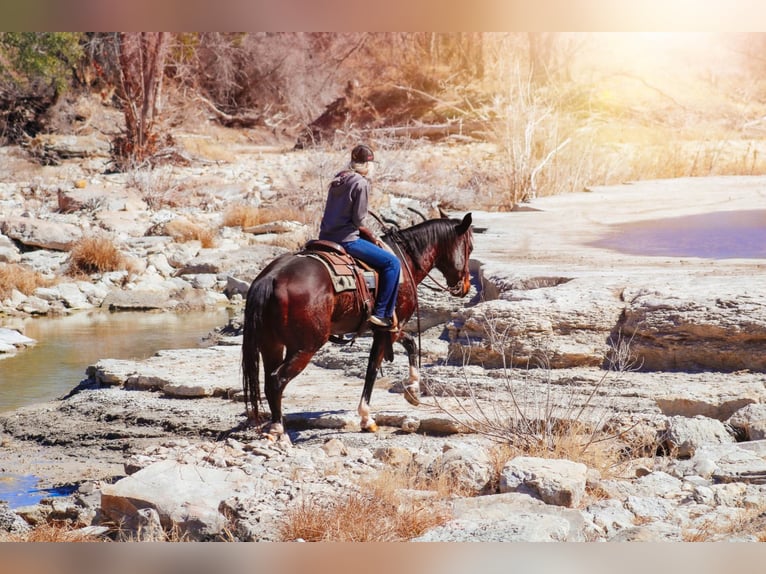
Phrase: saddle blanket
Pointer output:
(341, 271)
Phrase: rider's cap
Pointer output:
(362, 154)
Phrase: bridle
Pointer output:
(454, 290)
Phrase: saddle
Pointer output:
(346, 273)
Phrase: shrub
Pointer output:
(183, 230)
(18, 277)
(95, 255)
(243, 215)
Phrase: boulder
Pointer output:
(559, 482)
(9, 253)
(568, 324)
(41, 233)
(683, 435)
(185, 498)
(697, 324)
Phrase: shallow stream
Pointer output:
(66, 346)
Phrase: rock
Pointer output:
(683, 434)
(54, 147)
(507, 518)
(244, 263)
(750, 421)
(739, 462)
(565, 325)
(41, 233)
(469, 469)
(9, 253)
(185, 497)
(72, 296)
(10, 340)
(559, 482)
(694, 324)
(177, 373)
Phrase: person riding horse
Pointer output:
(343, 223)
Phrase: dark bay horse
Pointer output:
(292, 310)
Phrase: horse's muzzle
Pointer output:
(462, 288)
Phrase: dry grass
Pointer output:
(20, 278)
(243, 215)
(386, 508)
(182, 230)
(744, 523)
(95, 255)
(360, 517)
(51, 533)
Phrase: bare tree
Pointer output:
(142, 62)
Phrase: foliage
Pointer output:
(35, 68)
(34, 59)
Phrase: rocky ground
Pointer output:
(657, 357)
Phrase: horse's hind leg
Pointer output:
(276, 381)
(380, 341)
(412, 388)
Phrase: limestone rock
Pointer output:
(683, 434)
(41, 233)
(559, 482)
(185, 497)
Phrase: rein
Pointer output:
(393, 232)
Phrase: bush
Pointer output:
(95, 255)
(20, 278)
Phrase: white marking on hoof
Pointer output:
(275, 432)
(367, 423)
(371, 426)
(412, 394)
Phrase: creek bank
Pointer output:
(685, 402)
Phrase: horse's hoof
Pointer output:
(371, 427)
(411, 397)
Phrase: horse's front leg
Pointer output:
(381, 340)
(412, 388)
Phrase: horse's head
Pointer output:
(453, 261)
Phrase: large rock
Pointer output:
(10, 340)
(41, 233)
(9, 253)
(185, 497)
(696, 324)
(186, 373)
(563, 324)
(508, 517)
(559, 482)
(244, 263)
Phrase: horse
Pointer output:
(292, 310)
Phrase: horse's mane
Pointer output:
(417, 239)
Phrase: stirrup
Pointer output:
(380, 322)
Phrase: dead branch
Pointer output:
(433, 130)
(233, 121)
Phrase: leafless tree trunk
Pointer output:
(142, 63)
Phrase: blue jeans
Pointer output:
(388, 267)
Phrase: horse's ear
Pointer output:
(465, 224)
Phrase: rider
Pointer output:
(342, 222)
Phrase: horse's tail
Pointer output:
(258, 296)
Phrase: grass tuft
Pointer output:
(95, 255)
(20, 278)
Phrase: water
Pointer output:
(66, 346)
(719, 235)
(21, 490)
